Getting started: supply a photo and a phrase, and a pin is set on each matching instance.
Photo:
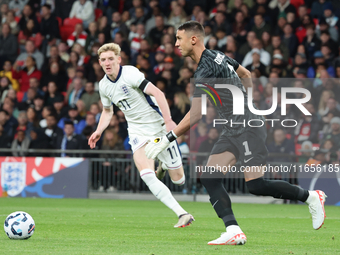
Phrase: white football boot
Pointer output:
(316, 201)
(233, 236)
(184, 220)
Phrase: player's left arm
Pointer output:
(245, 76)
(152, 90)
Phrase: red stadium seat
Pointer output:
(20, 96)
(72, 22)
(65, 32)
(98, 13)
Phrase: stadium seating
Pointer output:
(72, 22)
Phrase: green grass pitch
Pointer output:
(86, 226)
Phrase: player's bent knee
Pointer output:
(257, 186)
(179, 182)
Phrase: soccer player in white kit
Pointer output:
(127, 88)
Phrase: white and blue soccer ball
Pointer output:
(19, 225)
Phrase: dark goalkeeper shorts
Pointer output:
(248, 147)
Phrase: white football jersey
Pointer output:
(141, 110)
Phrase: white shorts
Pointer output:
(171, 157)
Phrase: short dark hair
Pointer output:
(68, 122)
(192, 26)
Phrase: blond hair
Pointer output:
(183, 101)
(109, 47)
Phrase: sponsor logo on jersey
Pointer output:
(219, 58)
(125, 89)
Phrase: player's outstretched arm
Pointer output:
(104, 121)
(245, 76)
(152, 90)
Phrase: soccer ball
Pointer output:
(19, 225)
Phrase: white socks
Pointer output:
(234, 229)
(310, 197)
(180, 182)
(161, 191)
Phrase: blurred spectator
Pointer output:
(29, 34)
(256, 63)
(290, 40)
(117, 25)
(62, 51)
(264, 55)
(8, 124)
(52, 131)
(260, 26)
(121, 41)
(5, 85)
(47, 110)
(177, 16)
(334, 135)
(53, 56)
(29, 71)
(181, 106)
(326, 39)
(318, 9)
(38, 141)
(3, 12)
(325, 95)
(81, 108)
(63, 8)
(92, 37)
(33, 52)
(112, 141)
(153, 13)
(32, 118)
(314, 71)
(104, 27)
(76, 90)
(52, 93)
(308, 126)
(311, 42)
(22, 122)
(8, 45)
(38, 105)
(136, 40)
(73, 115)
(28, 14)
(49, 28)
(5, 141)
(56, 74)
(83, 9)
(90, 96)
(21, 143)
(69, 141)
(281, 145)
(157, 32)
(246, 47)
(83, 57)
(7, 72)
(78, 36)
(239, 27)
(30, 95)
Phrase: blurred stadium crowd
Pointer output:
(50, 72)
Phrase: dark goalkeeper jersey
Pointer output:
(216, 68)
